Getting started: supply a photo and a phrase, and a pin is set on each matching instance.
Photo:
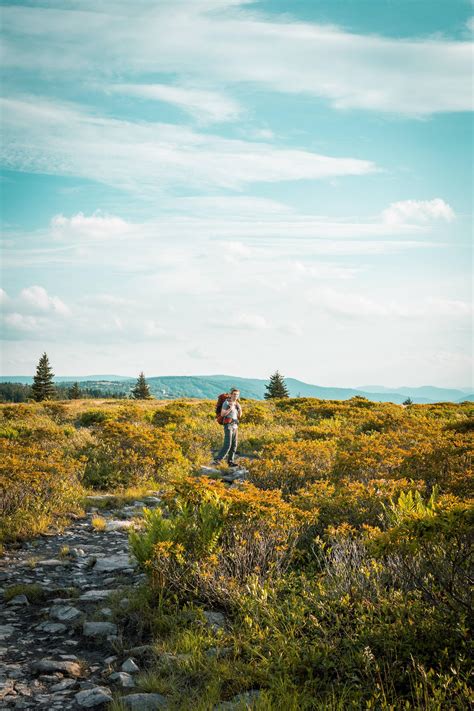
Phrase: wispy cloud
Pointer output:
(41, 136)
(227, 42)
(204, 105)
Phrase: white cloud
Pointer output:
(45, 137)
(97, 226)
(418, 211)
(245, 321)
(359, 305)
(205, 106)
(38, 298)
(3, 296)
(225, 42)
(23, 323)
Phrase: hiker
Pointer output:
(228, 416)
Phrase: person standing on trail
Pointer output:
(231, 411)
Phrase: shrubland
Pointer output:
(343, 565)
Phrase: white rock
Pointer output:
(93, 697)
(64, 613)
(118, 525)
(130, 666)
(95, 595)
(120, 561)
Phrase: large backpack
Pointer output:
(220, 401)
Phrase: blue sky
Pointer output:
(209, 186)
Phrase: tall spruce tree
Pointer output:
(43, 385)
(276, 387)
(74, 392)
(141, 391)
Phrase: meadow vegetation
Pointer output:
(343, 566)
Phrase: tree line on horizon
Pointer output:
(44, 388)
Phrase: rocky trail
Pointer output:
(58, 646)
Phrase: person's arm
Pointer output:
(225, 412)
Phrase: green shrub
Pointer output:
(93, 417)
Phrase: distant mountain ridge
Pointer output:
(209, 386)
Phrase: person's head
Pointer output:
(234, 394)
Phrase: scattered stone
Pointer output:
(64, 684)
(53, 562)
(6, 631)
(95, 595)
(93, 697)
(18, 600)
(120, 561)
(51, 627)
(52, 665)
(125, 680)
(144, 702)
(130, 666)
(206, 471)
(110, 660)
(215, 620)
(99, 629)
(64, 613)
(144, 650)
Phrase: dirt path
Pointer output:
(59, 648)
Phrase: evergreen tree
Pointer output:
(408, 401)
(276, 387)
(74, 392)
(141, 391)
(43, 386)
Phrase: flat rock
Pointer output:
(51, 627)
(144, 702)
(53, 562)
(64, 613)
(54, 665)
(93, 697)
(64, 684)
(120, 561)
(118, 525)
(206, 471)
(99, 629)
(95, 595)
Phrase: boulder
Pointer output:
(45, 666)
(93, 697)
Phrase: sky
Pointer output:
(228, 186)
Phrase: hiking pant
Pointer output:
(230, 443)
